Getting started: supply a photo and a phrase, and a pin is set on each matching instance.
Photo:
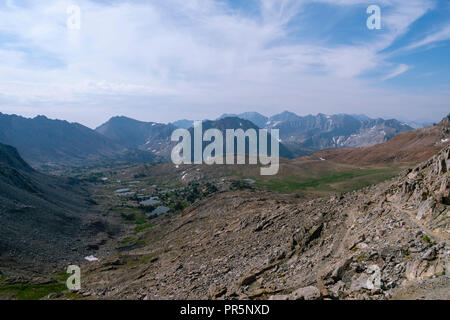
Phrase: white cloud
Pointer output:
(402, 68)
(191, 56)
(440, 35)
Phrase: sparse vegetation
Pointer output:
(335, 182)
(426, 239)
(34, 291)
(143, 227)
(240, 185)
(128, 240)
(30, 291)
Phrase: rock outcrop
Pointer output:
(411, 146)
(384, 241)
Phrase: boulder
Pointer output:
(431, 253)
(307, 293)
(336, 291)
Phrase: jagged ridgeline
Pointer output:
(235, 124)
(47, 143)
(303, 135)
(299, 135)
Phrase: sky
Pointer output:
(167, 60)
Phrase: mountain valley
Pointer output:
(362, 223)
(250, 244)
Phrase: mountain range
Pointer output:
(304, 246)
(238, 123)
(410, 147)
(307, 134)
(47, 143)
(149, 136)
(384, 241)
(299, 135)
(156, 137)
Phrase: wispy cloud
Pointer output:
(397, 71)
(141, 58)
(437, 36)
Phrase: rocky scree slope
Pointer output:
(376, 243)
(46, 221)
(156, 137)
(307, 134)
(148, 136)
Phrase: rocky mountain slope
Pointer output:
(299, 135)
(411, 146)
(43, 143)
(150, 136)
(156, 137)
(390, 240)
(304, 135)
(184, 124)
(43, 218)
(237, 123)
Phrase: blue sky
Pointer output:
(172, 59)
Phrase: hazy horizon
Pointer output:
(438, 119)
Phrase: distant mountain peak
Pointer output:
(253, 113)
(283, 117)
(183, 124)
(122, 118)
(147, 136)
(44, 142)
(255, 117)
(40, 116)
(286, 112)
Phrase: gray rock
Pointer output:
(307, 293)
(336, 291)
(340, 269)
(358, 282)
(431, 253)
(279, 297)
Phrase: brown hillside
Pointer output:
(389, 240)
(412, 146)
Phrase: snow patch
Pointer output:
(91, 258)
(276, 123)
